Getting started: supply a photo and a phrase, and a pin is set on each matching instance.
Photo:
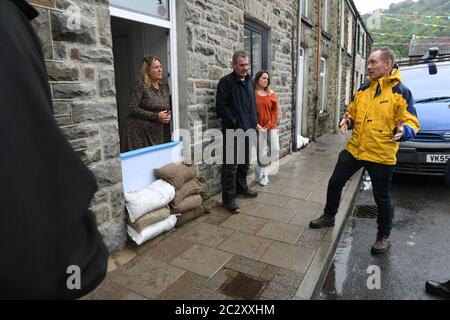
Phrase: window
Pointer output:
(350, 34)
(324, 9)
(304, 4)
(322, 85)
(255, 45)
(362, 79)
(358, 37)
(347, 87)
(363, 49)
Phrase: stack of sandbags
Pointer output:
(189, 191)
(148, 211)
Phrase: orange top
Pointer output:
(267, 110)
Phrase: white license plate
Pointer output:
(438, 158)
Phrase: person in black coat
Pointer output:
(49, 242)
(236, 106)
(441, 289)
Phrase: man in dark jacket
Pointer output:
(49, 242)
(236, 106)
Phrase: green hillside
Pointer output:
(395, 26)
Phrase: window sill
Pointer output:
(307, 21)
(326, 35)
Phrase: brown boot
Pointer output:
(322, 222)
(382, 244)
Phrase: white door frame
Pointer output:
(172, 28)
(300, 91)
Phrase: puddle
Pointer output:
(242, 286)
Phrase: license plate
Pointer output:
(438, 158)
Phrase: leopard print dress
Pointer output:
(142, 127)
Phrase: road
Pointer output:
(420, 246)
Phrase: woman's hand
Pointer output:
(259, 128)
(164, 117)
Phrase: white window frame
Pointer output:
(325, 16)
(172, 48)
(300, 90)
(323, 74)
(350, 34)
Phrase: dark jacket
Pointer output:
(47, 234)
(235, 103)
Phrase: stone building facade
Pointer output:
(80, 63)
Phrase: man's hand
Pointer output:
(399, 132)
(344, 124)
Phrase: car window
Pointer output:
(424, 85)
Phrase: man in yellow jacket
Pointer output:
(381, 114)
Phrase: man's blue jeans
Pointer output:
(381, 177)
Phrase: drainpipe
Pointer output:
(339, 88)
(319, 32)
(354, 53)
(299, 87)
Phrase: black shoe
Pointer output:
(322, 222)
(232, 207)
(248, 194)
(438, 289)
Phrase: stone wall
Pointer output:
(214, 30)
(77, 48)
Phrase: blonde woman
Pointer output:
(267, 105)
(149, 115)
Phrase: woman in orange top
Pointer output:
(268, 143)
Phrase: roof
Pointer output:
(418, 47)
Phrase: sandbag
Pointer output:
(189, 203)
(150, 198)
(176, 174)
(151, 218)
(189, 215)
(190, 188)
(152, 231)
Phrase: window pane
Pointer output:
(324, 13)
(257, 52)
(158, 9)
(248, 45)
(305, 7)
(322, 66)
(321, 92)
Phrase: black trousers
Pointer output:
(234, 169)
(381, 177)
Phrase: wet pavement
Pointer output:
(265, 252)
(420, 248)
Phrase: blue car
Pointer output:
(429, 152)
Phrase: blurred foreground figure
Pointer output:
(50, 246)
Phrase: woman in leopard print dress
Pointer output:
(149, 117)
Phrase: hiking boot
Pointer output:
(382, 244)
(232, 207)
(322, 222)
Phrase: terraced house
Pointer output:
(315, 51)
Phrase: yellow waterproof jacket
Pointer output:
(377, 108)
